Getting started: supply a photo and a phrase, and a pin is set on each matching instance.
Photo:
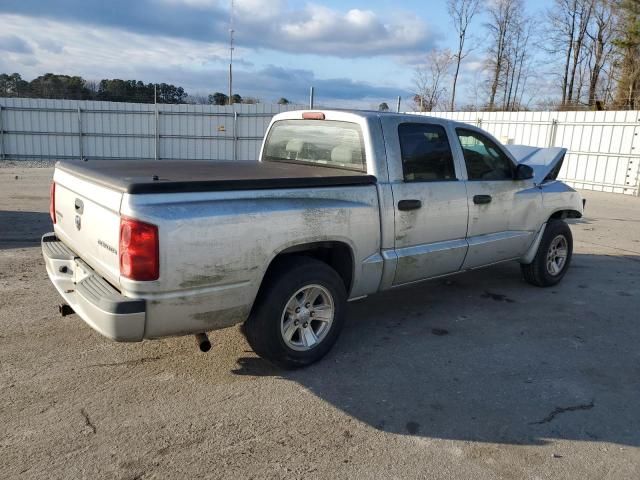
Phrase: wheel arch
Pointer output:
(337, 254)
(560, 214)
(565, 213)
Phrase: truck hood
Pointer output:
(546, 162)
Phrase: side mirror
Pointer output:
(524, 172)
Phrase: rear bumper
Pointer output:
(99, 304)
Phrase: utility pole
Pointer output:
(231, 32)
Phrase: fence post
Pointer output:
(633, 147)
(235, 135)
(311, 99)
(81, 149)
(156, 144)
(1, 135)
(552, 133)
(398, 105)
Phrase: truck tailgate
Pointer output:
(88, 221)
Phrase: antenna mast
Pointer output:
(231, 32)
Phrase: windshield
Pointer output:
(323, 142)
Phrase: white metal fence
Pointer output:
(66, 129)
(604, 147)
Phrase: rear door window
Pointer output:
(426, 153)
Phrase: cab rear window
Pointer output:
(328, 143)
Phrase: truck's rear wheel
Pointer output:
(553, 256)
(298, 314)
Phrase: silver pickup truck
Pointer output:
(340, 205)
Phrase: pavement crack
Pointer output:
(87, 420)
(558, 410)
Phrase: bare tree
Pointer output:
(627, 43)
(429, 80)
(600, 45)
(198, 99)
(607, 90)
(461, 13)
(92, 86)
(584, 9)
(561, 32)
(500, 26)
(581, 80)
(518, 62)
(569, 22)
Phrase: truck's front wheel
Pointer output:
(298, 314)
(553, 257)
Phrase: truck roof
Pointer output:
(370, 114)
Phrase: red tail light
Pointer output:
(52, 202)
(139, 252)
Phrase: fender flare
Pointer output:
(533, 249)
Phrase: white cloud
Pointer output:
(199, 4)
(322, 30)
(100, 52)
(15, 44)
(103, 52)
(278, 25)
(259, 10)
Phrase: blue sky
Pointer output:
(355, 52)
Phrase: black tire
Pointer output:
(537, 272)
(263, 327)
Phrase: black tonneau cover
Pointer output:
(177, 176)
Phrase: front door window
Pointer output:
(483, 158)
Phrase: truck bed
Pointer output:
(177, 176)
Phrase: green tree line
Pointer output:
(71, 87)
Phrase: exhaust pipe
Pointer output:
(203, 342)
(65, 310)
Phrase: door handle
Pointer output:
(409, 204)
(481, 199)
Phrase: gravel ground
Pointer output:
(479, 376)
(22, 164)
